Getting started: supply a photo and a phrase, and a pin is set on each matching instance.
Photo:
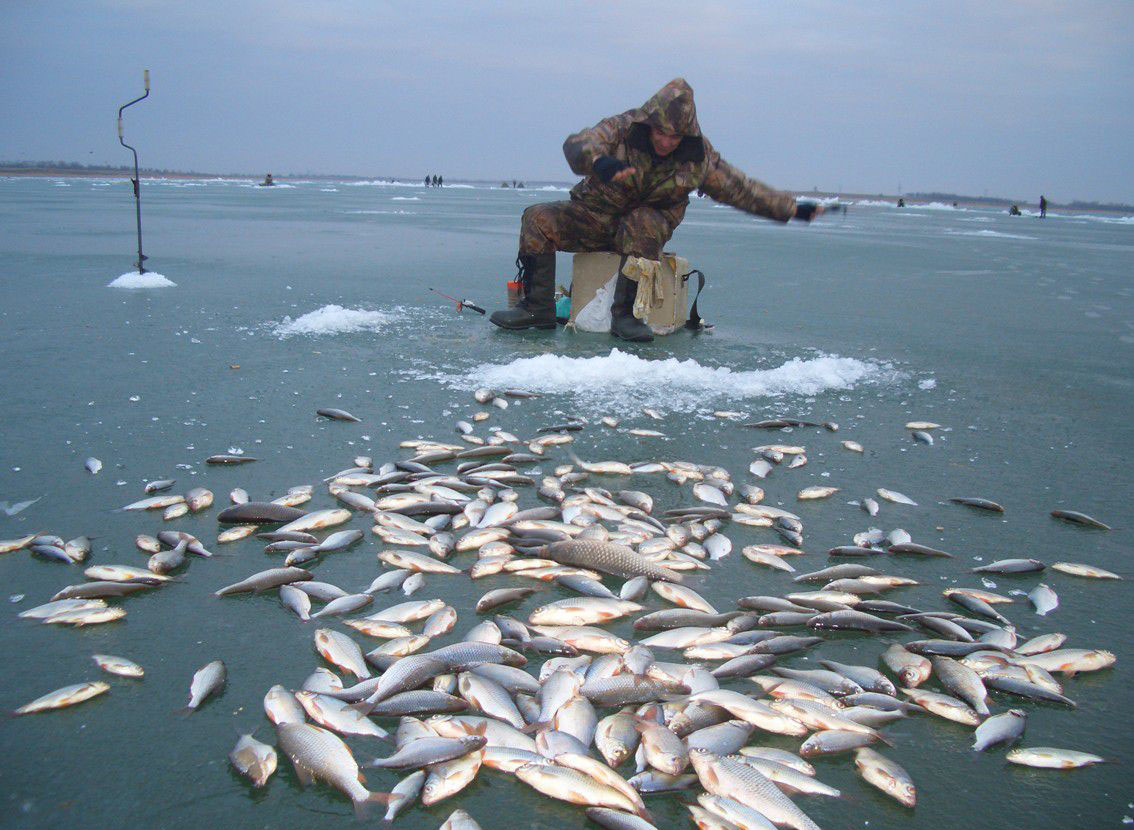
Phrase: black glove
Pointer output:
(606, 167)
(805, 211)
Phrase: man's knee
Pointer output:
(537, 230)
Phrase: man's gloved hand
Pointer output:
(806, 211)
(609, 169)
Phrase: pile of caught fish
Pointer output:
(547, 695)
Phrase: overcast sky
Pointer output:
(1004, 98)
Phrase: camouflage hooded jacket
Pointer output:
(664, 183)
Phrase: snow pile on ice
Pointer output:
(332, 319)
(147, 280)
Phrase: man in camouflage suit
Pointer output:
(639, 169)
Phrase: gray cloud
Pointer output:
(1012, 98)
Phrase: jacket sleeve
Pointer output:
(583, 147)
(724, 183)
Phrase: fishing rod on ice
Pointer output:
(461, 304)
(137, 189)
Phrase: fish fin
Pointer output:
(361, 808)
(643, 813)
(185, 710)
(479, 730)
(306, 779)
(532, 728)
(883, 739)
(714, 779)
(363, 707)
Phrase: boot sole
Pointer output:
(540, 326)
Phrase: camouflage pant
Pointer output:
(569, 226)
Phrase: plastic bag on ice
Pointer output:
(595, 315)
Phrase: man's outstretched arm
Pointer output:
(724, 183)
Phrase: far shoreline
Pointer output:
(990, 203)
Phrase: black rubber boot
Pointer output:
(623, 324)
(537, 309)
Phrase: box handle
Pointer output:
(695, 322)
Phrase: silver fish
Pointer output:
(607, 557)
(254, 760)
(886, 775)
(1047, 757)
(281, 706)
(66, 696)
(1007, 727)
(404, 792)
(425, 751)
(319, 754)
(118, 665)
(207, 680)
(733, 779)
(1044, 599)
(265, 580)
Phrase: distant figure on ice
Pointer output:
(639, 169)
(440, 181)
(427, 180)
(1043, 207)
(267, 181)
(901, 202)
(1014, 211)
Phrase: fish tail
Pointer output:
(362, 807)
(397, 800)
(256, 773)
